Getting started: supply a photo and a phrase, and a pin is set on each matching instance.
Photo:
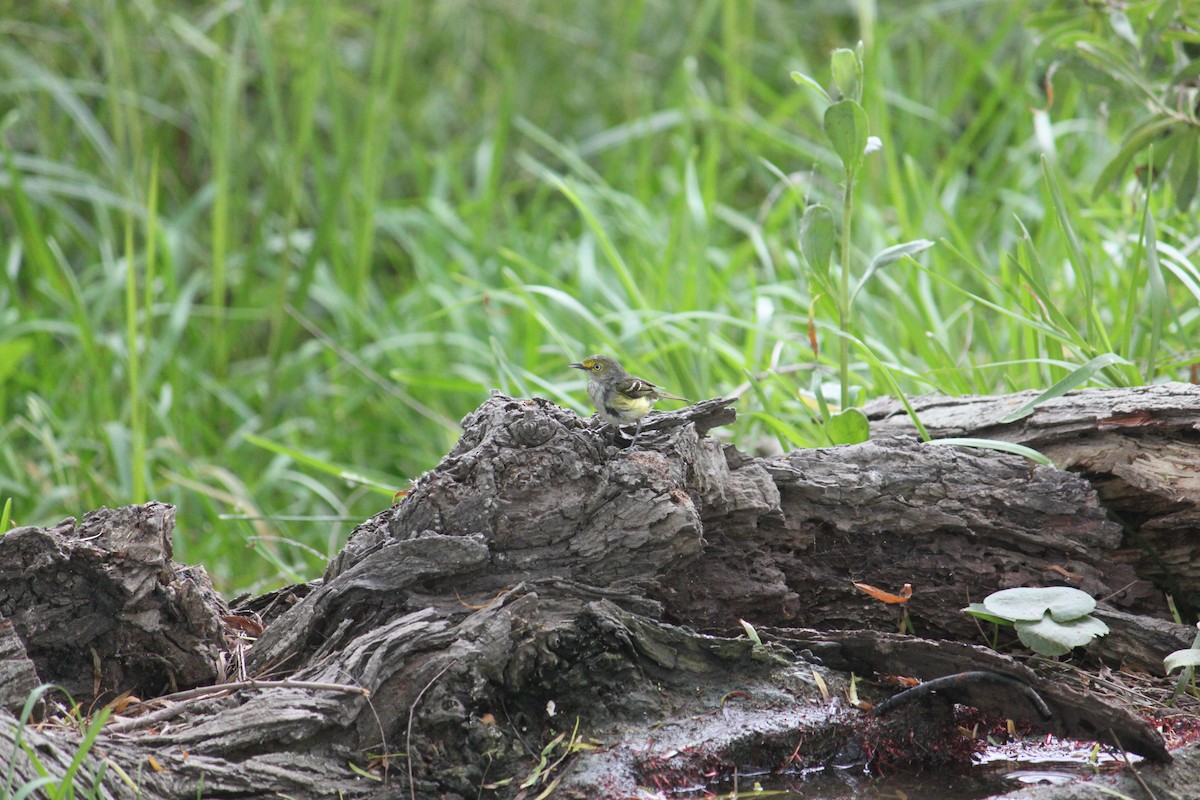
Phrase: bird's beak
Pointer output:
(577, 365)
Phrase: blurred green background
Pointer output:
(245, 245)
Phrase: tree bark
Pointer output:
(102, 609)
(544, 592)
(1139, 448)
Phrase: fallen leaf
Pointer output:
(886, 597)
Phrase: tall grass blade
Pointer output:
(1077, 378)
(1156, 291)
(996, 444)
(382, 485)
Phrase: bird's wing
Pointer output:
(636, 387)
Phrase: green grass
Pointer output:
(82, 776)
(332, 227)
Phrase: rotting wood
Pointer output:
(102, 609)
(535, 581)
(1139, 448)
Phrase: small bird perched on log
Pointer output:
(619, 397)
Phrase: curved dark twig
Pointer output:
(961, 680)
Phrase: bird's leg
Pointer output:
(637, 431)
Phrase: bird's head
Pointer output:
(598, 365)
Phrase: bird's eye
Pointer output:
(597, 367)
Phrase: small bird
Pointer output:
(619, 397)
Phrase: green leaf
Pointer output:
(1135, 141)
(751, 633)
(980, 610)
(1030, 603)
(29, 226)
(1049, 636)
(1187, 73)
(1077, 377)
(1112, 62)
(86, 743)
(997, 444)
(818, 393)
(1034, 271)
(890, 379)
(804, 80)
(363, 773)
(1160, 19)
(1184, 170)
(847, 127)
(1122, 27)
(30, 789)
(847, 73)
(890, 255)
(848, 426)
(793, 434)
(817, 238)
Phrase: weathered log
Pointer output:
(531, 586)
(1139, 447)
(1074, 714)
(101, 609)
(18, 675)
(954, 523)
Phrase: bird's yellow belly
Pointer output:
(628, 409)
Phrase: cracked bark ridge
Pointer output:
(1139, 447)
(527, 474)
(18, 675)
(530, 493)
(100, 608)
(956, 524)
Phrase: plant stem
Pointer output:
(844, 294)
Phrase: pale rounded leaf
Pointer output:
(1032, 603)
(1075, 633)
(1038, 643)
(1182, 658)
